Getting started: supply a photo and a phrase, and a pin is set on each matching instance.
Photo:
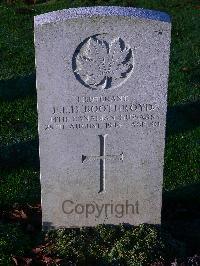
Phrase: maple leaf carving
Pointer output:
(103, 64)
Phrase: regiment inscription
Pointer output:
(103, 112)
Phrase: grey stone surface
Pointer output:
(102, 97)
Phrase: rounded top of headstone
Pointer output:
(81, 12)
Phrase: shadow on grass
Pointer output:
(181, 215)
(187, 195)
(13, 89)
(183, 117)
(20, 154)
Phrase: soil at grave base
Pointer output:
(29, 217)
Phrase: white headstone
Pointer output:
(102, 96)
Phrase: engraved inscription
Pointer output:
(103, 112)
(102, 157)
(102, 62)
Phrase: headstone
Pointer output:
(102, 96)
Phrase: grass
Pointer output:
(12, 241)
(109, 245)
(19, 165)
(19, 186)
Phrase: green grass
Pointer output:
(114, 245)
(13, 242)
(19, 186)
(18, 120)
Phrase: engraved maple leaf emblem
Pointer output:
(103, 64)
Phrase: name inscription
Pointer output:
(103, 112)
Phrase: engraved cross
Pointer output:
(102, 157)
